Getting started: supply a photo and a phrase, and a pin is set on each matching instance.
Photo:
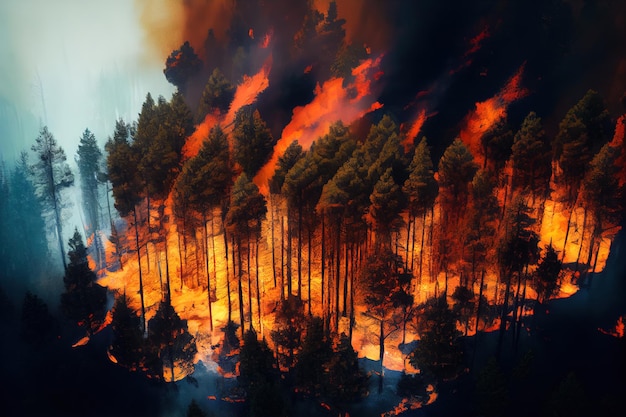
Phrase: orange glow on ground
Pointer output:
(332, 102)
(487, 113)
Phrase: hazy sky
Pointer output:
(75, 64)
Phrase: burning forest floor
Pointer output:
(189, 290)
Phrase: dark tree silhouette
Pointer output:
(84, 301)
(181, 65)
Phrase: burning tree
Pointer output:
(51, 175)
(203, 184)
(123, 167)
(421, 191)
(246, 212)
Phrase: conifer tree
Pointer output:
(531, 157)
(52, 175)
(127, 345)
(84, 301)
(253, 140)
(217, 95)
(89, 158)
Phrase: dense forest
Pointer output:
(304, 243)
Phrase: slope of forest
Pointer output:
(278, 222)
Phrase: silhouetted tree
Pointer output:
(84, 301)
(492, 394)
(181, 65)
(439, 352)
(176, 346)
(345, 380)
(259, 378)
(38, 326)
(547, 275)
(127, 347)
(310, 369)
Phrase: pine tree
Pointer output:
(217, 95)
(176, 346)
(89, 158)
(84, 301)
(439, 353)
(52, 174)
(531, 157)
(253, 140)
(127, 346)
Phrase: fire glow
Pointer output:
(489, 112)
(333, 101)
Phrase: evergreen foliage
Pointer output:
(84, 301)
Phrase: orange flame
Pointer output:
(267, 38)
(487, 113)
(248, 91)
(333, 101)
(476, 41)
(194, 142)
(617, 331)
(414, 129)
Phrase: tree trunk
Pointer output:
(143, 306)
(408, 235)
(344, 312)
(282, 257)
(272, 235)
(149, 231)
(239, 271)
(581, 240)
(180, 260)
(249, 281)
(258, 290)
(337, 270)
(167, 270)
(569, 221)
(300, 252)
(208, 275)
(309, 238)
(323, 261)
(230, 305)
(289, 248)
(381, 353)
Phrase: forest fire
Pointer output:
(351, 266)
(248, 91)
(487, 113)
(332, 101)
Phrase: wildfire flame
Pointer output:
(489, 112)
(248, 91)
(333, 101)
